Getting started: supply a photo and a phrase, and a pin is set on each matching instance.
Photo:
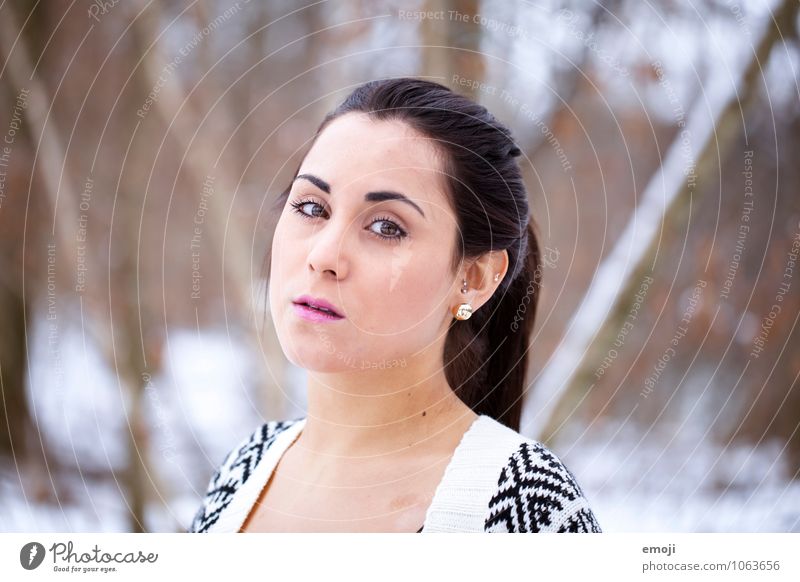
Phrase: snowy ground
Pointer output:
(658, 483)
(688, 485)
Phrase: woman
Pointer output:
(403, 278)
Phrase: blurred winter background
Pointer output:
(142, 145)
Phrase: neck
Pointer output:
(395, 411)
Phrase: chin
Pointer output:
(318, 360)
(307, 350)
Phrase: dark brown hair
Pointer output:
(485, 357)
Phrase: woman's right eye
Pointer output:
(301, 207)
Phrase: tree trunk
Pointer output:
(665, 198)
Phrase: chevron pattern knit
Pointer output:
(529, 491)
(235, 470)
(536, 492)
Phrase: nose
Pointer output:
(329, 250)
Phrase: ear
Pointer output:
(483, 276)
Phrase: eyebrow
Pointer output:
(378, 196)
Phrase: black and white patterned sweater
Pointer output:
(497, 481)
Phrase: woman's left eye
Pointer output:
(389, 230)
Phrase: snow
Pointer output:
(197, 409)
(689, 485)
(634, 483)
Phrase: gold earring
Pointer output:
(463, 311)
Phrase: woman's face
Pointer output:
(366, 227)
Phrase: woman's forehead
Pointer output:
(356, 153)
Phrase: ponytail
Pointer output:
(486, 355)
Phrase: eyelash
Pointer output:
(298, 205)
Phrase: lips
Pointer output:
(319, 304)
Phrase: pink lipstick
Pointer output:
(315, 309)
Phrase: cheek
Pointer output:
(282, 246)
(409, 294)
(277, 266)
